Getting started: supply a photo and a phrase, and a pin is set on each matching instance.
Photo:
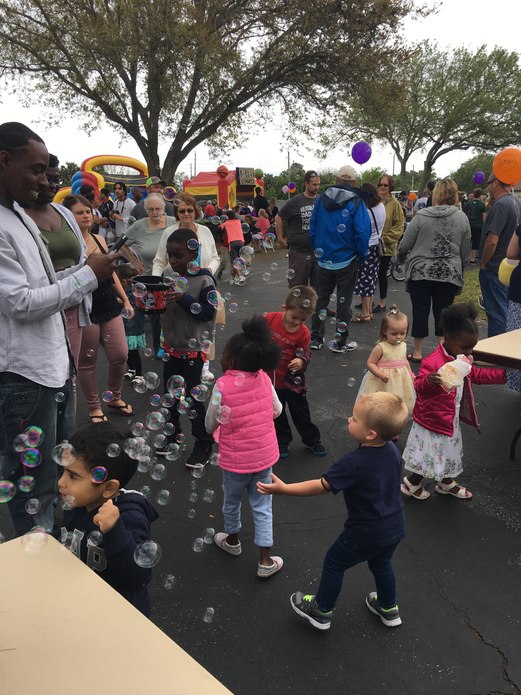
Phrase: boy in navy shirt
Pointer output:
(370, 478)
(103, 523)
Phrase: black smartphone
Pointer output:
(119, 243)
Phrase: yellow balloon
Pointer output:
(506, 269)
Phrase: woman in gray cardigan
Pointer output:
(436, 245)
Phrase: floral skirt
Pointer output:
(513, 323)
(368, 274)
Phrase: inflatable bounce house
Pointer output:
(87, 175)
(227, 187)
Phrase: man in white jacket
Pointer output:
(35, 364)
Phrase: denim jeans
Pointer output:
(23, 404)
(234, 485)
(495, 299)
(344, 554)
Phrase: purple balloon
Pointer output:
(361, 152)
(479, 178)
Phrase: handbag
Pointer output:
(381, 242)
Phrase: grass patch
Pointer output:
(472, 290)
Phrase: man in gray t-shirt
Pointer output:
(500, 223)
(296, 214)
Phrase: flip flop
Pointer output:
(124, 409)
(98, 419)
(411, 358)
(361, 319)
(461, 494)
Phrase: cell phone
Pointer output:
(119, 243)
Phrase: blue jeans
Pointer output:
(344, 554)
(495, 299)
(23, 404)
(234, 485)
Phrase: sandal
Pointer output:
(461, 493)
(124, 408)
(408, 490)
(412, 358)
(98, 419)
(362, 319)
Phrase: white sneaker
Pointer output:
(267, 570)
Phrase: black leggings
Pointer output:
(423, 293)
(382, 275)
(134, 362)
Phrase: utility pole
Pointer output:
(195, 163)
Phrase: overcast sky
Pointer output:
(471, 22)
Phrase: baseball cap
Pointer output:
(154, 179)
(347, 172)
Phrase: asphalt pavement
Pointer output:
(458, 570)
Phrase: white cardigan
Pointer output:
(209, 256)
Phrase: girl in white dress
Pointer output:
(388, 366)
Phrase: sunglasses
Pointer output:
(185, 210)
(383, 185)
(490, 181)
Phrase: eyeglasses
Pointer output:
(490, 181)
(383, 185)
(185, 210)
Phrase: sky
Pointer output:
(472, 22)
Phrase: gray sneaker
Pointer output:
(390, 617)
(306, 606)
(316, 344)
(342, 346)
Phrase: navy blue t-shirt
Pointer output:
(370, 479)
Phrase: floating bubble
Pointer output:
(147, 554)
(160, 441)
(94, 538)
(191, 513)
(199, 471)
(299, 352)
(306, 303)
(213, 297)
(146, 491)
(297, 380)
(167, 400)
(192, 343)
(139, 290)
(183, 407)
(207, 377)
(7, 491)
(33, 436)
(234, 308)
(214, 460)
(169, 281)
(193, 496)
(137, 429)
(239, 264)
(175, 382)
(90, 353)
(296, 292)
(68, 502)
(192, 414)
(31, 458)
(99, 474)
(341, 326)
(20, 443)
(163, 497)
(107, 396)
(192, 244)
(224, 415)
(25, 483)
(169, 582)
(351, 382)
(195, 308)
(168, 429)
(193, 267)
(107, 338)
(208, 535)
(155, 400)
(198, 545)
(148, 352)
(113, 450)
(290, 274)
(208, 615)
(180, 285)
(59, 397)
(206, 346)
(35, 540)
(266, 277)
(32, 506)
(239, 379)
(341, 228)
(274, 266)
(341, 300)
(200, 393)
(224, 218)
(158, 472)
(208, 495)
(319, 253)
(138, 384)
(152, 380)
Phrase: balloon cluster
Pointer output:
(86, 178)
(290, 188)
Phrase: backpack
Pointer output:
(473, 212)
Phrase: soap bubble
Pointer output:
(33, 436)
(208, 615)
(290, 274)
(63, 454)
(175, 382)
(273, 266)
(266, 277)
(296, 292)
(206, 346)
(341, 326)
(214, 460)
(155, 420)
(169, 582)
(234, 308)
(215, 219)
(195, 308)
(94, 538)
(148, 352)
(145, 491)
(239, 264)
(306, 303)
(341, 228)
(213, 297)
(59, 397)
(183, 407)
(107, 396)
(319, 253)
(160, 441)
(192, 414)
(193, 267)
(299, 352)
(180, 438)
(20, 443)
(25, 483)
(192, 343)
(239, 379)
(163, 497)
(224, 415)
(208, 496)
(192, 244)
(200, 393)
(158, 472)
(138, 384)
(167, 400)
(35, 540)
(137, 429)
(198, 545)
(99, 474)
(193, 496)
(31, 458)
(90, 353)
(155, 400)
(152, 380)
(332, 297)
(113, 450)
(199, 471)
(139, 290)
(208, 535)
(32, 506)
(191, 513)
(147, 554)
(351, 382)
(297, 380)
(168, 429)
(7, 491)
(68, 502)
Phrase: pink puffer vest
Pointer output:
(247, 443)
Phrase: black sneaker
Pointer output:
(318, 449)
(200, 454)
(316, 344)
(283, 452)
(306, 607)
(390, 617)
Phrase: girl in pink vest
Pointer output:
(434, 448)
(240, 416)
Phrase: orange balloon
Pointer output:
(507, 165)
(412, 196)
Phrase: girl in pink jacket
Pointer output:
(240, 416)
(434, 446)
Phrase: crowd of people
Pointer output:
(65, 293)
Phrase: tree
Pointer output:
(464, 175)
(188, 71)
(438, 102)
(67, 171)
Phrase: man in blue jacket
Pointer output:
(339, 230)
